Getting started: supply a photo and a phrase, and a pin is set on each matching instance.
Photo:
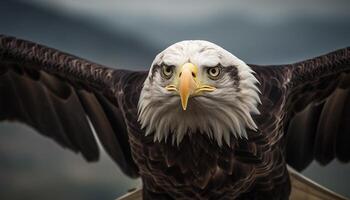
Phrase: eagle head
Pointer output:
(197, 87)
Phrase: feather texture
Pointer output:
(55, 92)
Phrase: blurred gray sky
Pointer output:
(243, 27)
(128, 34)
(182, 10)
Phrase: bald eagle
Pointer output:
(200, 124)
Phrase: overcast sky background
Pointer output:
(128, 34)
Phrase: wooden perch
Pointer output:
(306, 189)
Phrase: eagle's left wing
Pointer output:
(58, 94)
(315, 98)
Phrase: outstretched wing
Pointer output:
(59, 95)
(315, 95)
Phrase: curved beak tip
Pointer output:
(184, 104)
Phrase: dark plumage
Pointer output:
(305, 115)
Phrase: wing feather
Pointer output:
(310, 100)
(58, 94)
(317, 109)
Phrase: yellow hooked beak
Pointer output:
(187, 84)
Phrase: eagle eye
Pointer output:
(214, 72)
(167, 71)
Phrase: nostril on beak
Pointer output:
(180, 74)
(194, 75)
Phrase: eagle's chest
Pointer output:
(197, 164)
(196, 156)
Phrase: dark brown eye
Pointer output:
(214, 72)
(167, 71)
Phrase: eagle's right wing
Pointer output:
(57, 94)
(318, 109)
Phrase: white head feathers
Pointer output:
(221, 113)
